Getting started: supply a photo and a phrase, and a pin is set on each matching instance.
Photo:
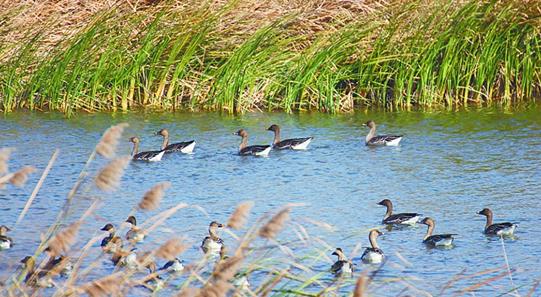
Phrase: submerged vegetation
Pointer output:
(237, 56)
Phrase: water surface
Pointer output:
(449, 166)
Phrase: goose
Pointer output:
(399, 218)
(154, 282)
(373, 254)
(59, 265)
(151, 156)
(501, 229)
(436, 240)
(35, 278)
(293, 143)
(125, 258)
(342, 265)
(241, 283)
(173, 266)
(5, 241)
(183, 147)
(212, 244)
(373, 139)
(110, 229)
(134, 234)
(254, 150)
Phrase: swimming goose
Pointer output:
(373, 139)
(154, 282)
(151, 156)
(373, 254)
(254, 150)
(342, 265)
(293, 143)
(125, 258)
(436, 240)
(134, 234)
(35, 278)
(5, 241)
(173, 266)
(58, 265)
(109, 228)
(502, 229)
(212, 243)
(399, 218)
(183, 147)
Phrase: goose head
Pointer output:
(132, 220)
(427, 221)
(485, 212)
(108, 227)
(4, 229)
(241, 133)
(163, 132)
(274, 128)
(370, 124)
(386, 202)
(134, 139)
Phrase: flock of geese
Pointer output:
(187, 147)
(214, 245)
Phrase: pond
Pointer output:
(449, 166)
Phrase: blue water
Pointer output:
(449, 166)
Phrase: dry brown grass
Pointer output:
(61, 242)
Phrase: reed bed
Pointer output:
(237, 56)
(275, 267)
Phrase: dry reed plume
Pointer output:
(109, 177)
(171, 249)
(109, 141)
(62, 241)
(4, 159)
(238, 218)
(271, 229)
(360, 286)
(107, 286)
(152, 198)
(20, 177)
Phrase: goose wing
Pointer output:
(382, 139)
(495, 228)
(439, 237)
(289, 143)
(145, 156)
(177, 147)
(253, 149)
(400, 218)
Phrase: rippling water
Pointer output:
(449, 166)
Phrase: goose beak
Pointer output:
(220, 225)
(364, 124)
(334, 254)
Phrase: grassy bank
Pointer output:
(238, 56)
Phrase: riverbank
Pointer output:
(238, 56)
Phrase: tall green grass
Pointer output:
(400, 56)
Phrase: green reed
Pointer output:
(401, 56)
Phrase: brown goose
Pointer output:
(151, 156)
(213, 243)
(381, 140)
(293, 143)
(502, 229)
(252, 150)
(436, 240)
(373, 254)
(183, 147)
(399, 218)
(342, 265)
